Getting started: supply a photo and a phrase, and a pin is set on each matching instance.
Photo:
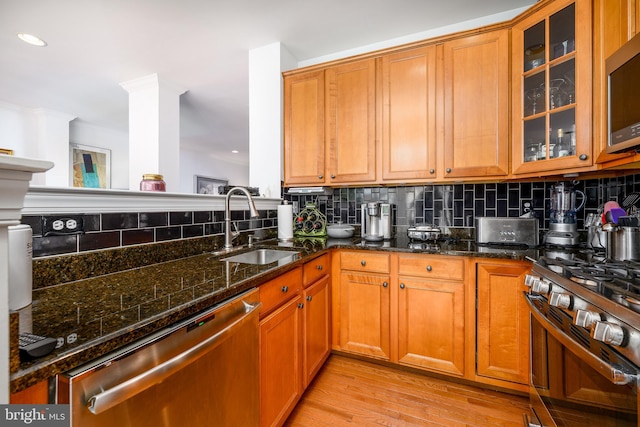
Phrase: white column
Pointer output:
(154, 130)
(266, 117)
(15, 173)
(52, 143)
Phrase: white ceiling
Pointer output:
(200, 45)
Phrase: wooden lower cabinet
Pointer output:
(295, 337)
(431, 313)
(502, 329)
(317, 328)
(280, 362)
(364, 314)
(431, 325)
(459, 316)
(36, 394)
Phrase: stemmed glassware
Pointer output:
(532, 96)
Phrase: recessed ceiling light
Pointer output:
(32, 40)
(235, 151)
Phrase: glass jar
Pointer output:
(152, 182)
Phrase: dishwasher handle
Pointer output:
(127, 389)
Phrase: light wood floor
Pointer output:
(350, 392)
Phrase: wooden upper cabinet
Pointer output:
(409, 115)
(552, 90)
(351, 122)
(476, 106)
(304, 144)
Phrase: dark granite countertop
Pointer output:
(97, 315)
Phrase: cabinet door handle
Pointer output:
(285, 289)
(583, 157)
(332, 176)
(300, 305)
(432, 171)
(363, 263)
(385, 284)
(401, 285)
(429, 268)
(448, 170)
(320, 176)
(319, 267)
(309, 297)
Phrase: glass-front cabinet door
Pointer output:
(552, 89)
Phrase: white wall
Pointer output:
(18, 130)
(203, 164)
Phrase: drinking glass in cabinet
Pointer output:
(562, 32)
(534, 101)
(534, 46)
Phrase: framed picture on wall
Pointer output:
(90, 166)
(206, 185)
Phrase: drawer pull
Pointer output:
(285, 289)
(300, 305)
(429, 268)
(401, 285)
(309, 297)
(319, 267)
(363, 263)
(385, 284)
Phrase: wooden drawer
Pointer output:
(315, 269)
(277, 291)
(437, 267)
(365, 261)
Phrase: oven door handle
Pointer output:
(127, 389)
(616, 376)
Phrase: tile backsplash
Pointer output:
(455, 205)
(115, 230)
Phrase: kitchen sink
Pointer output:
(264, 256)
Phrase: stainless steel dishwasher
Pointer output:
(203, 371)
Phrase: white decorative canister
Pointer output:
(20, 266)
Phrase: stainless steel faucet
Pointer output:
(228, 235)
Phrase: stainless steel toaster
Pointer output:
(507, 231)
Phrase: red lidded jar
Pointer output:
(152, 182)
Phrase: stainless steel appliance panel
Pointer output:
(202, 370)
(515, 231)
(583, 372)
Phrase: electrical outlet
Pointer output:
(59, 225)
(526, 207)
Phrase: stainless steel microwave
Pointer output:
(623, 97)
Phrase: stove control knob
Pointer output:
(557, 299)
(529, 279)
(537, 284)
(608, 333)
(586, 318)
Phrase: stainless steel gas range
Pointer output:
(585, 340)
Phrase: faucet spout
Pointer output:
(228, 235)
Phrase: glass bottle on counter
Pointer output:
(152, 182)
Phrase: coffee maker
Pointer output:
(563, 227)
(378, 220)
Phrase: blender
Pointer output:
(563, 226)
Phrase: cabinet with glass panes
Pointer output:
(551, 89)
